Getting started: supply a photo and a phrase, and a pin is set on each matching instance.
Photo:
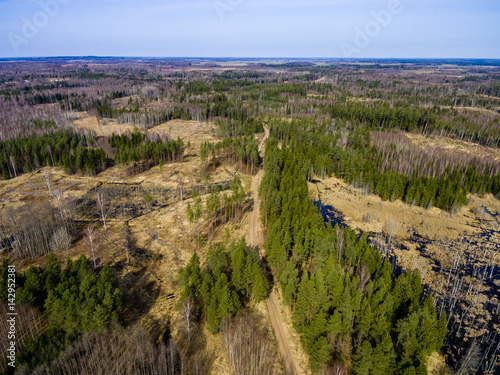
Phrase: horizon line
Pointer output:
(246, 58)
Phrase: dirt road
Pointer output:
(255, 230)
(254, 240)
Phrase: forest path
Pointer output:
(254, 240)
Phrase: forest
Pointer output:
(71, 151)
(76, 153)
(73, 301)
(211, 216)
(232, 279)
(135, 147)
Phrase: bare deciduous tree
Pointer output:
(48, 179)
(13, 163)
(58, 195)
(187, 308)
(470, 362)
(364, 276)
(180, 182)
(115, 351)
(60, 241)
(91, 240)
(339, 239)
(126, 243)
(101, 203)
(249, 349)
(32, 226)
(336, 368)
(49, 150)
(390, 229)
(30, 323)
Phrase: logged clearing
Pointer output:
(493, 113)
(103, 127)
(368, 213)
(450, 144)
(186, 130)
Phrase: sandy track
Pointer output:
(254, 239)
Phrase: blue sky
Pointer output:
(251, 28)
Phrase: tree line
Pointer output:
(145, 118)
(321, 152)
(234, 128)
(35, 230)
(152, 148)
(67, 149)
(432, 120)
(396, 151)
(116, 351)
(77, 153)
(242, 150)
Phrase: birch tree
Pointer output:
(47, 176)
(180, 183)
(101, 203)
(187, 315)
(91, 240)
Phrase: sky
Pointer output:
(251, 28)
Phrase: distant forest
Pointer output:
(419, 131)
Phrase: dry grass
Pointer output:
(163, 237)
(356, 207)
(368, 213)
(193, 131)
(104, 127)
(453, 145)
(436, 365)
(441, 230)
